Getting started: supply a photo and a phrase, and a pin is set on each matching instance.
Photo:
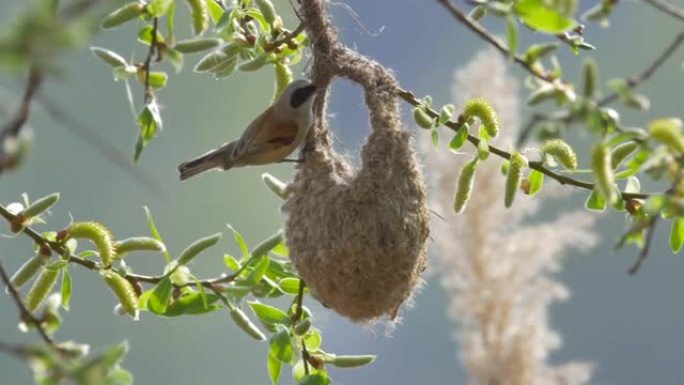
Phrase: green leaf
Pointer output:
(280, 346)
(289, 285)
(434, 136)
(202, 292)
(158, 8)
(158, 79)
(281, 250)
(512, 36)
(191, 303)
(270, 314)
(197, 247)
(595, 201)
(145, 35)
(241, 243)
(257, 272)
(267, 245)
(274, 365)
(160, 296)
(313, 340)
(315, 379)
(197, 44)
(110, 57)
(149, 121)
(215, 11)
(540, 16)
(536, 180)
(65, 289)
(459, 138)
(154, 233)
(677, 234)
(445, 113)
(538, 51)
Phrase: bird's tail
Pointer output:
(209, 161)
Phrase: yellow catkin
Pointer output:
(668, 132)
(98, 235)
(42, 286)
(518, 163)
(199, 11)
(124, 292)
(603, 172)
(562, 151)
(464, 186)
(481, 109)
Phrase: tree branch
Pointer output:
(633, 82)
(482, 32)
(25, 314)
(14, 126)
(92, 265)
(647, 246)
(667, 8)
(562, 179)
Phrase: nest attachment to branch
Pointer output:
(357, 238)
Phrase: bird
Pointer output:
(269, 138)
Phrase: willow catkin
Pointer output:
(562, 151)
(518, 164)
(97, 234)
(42, 286)
(603, 171)
(124, 292)
(199, 11)
(464, 185)
(28, 270)
(668, 132)
(482, 110)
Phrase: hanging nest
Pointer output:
(357, 238)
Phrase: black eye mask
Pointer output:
(301, 95)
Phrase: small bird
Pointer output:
(271, 137)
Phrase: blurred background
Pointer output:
(629, 327)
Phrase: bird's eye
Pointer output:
(301, 95)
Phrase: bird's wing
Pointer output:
(265, 133)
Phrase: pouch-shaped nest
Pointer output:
(357, 238)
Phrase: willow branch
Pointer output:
(647, 246)
(646, 74)
(92, 265)
(25, 313)
(560, 178)
(667, 8)
(14, 126)
(482, 32)
(148, 96)
(633, 82)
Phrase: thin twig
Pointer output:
(289, 36)
(632, 82)
(482, 32)
(667, 8)
(14, 126)
(25, 313)
(15, 350)
(149, 96)
(562, 179)
(91, 265)
(647, 246)
(297, 316)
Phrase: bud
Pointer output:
(422, 118)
